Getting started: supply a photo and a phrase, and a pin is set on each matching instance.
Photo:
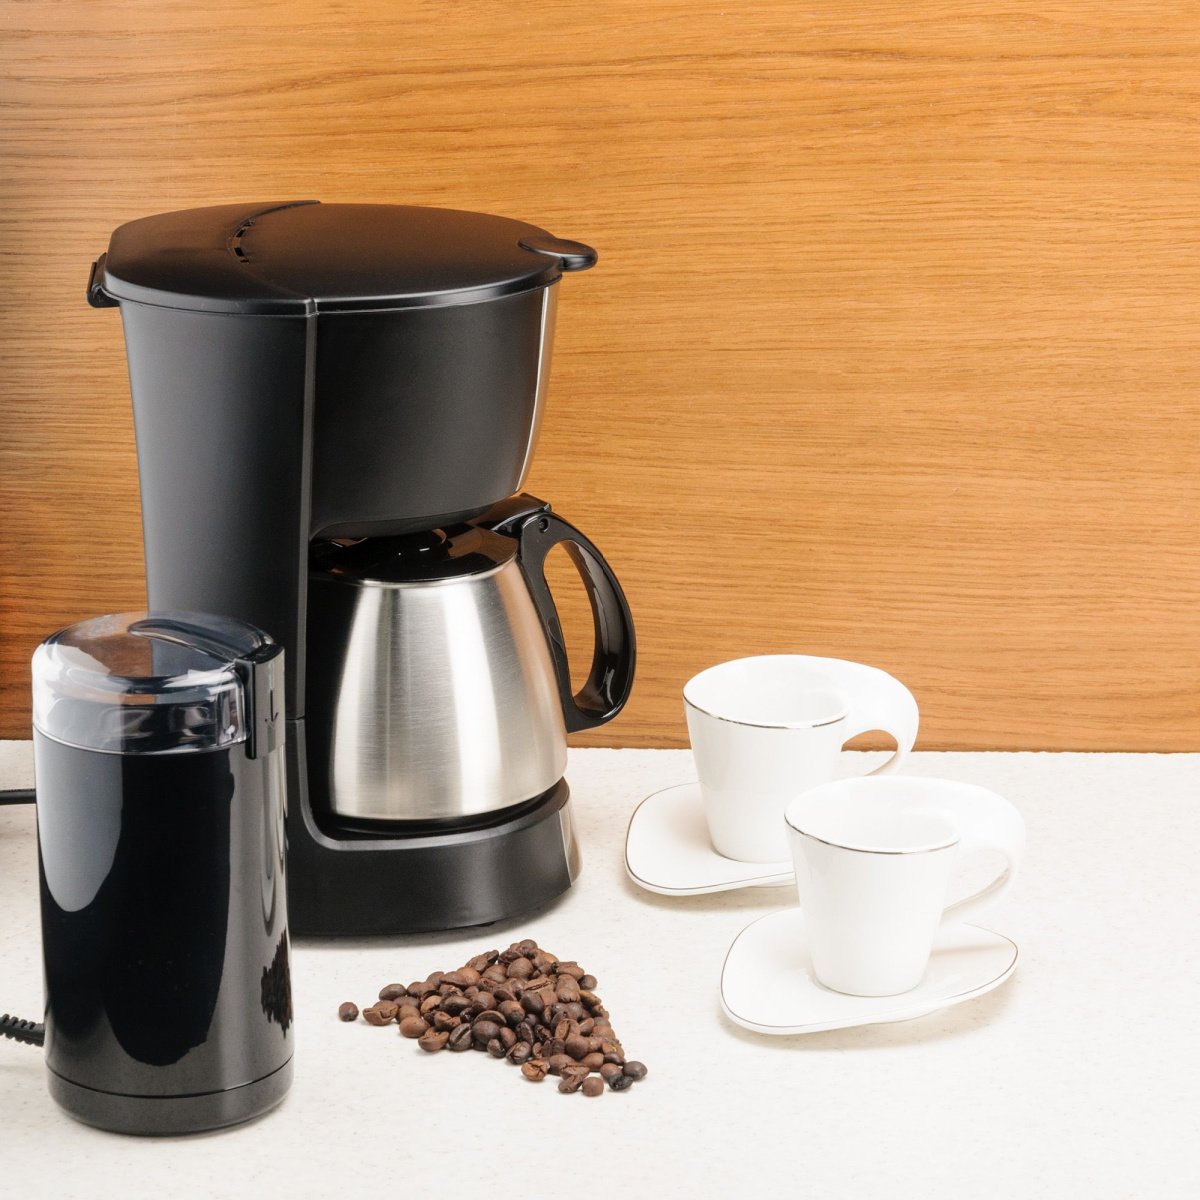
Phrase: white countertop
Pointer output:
(1079, 1077)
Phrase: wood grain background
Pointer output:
(891, 353)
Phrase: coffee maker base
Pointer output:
(353, 882)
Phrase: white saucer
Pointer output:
(767, 984)
(667, 850)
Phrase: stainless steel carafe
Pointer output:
(439, 688)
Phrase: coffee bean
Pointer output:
(609, 1071)
(590, 1000)
(455, 1005)
(635, 1070)
(430, 1004)
(433, 1041)
(435, 977)
(373, 1016)
(615, 1056)
(571, 1083)
(481, 962)
(535, 1069)
(521, 1053)
(527, 1032)
(533, 1003)
(555, 1046)
(513, 1012)
(393, 991)
(544, 962)
(484, 1029)
(413, 1027)
(593, 1061)
(420, 990)
(508, 990)
(444, 1022)
(508, 1039)
(520, 968)
(458, 979)
(387, 1009)
(407, 1010)
(460, 1038)
(572, 970)
(567, 989)
(496, 1048)
(576, 1047)
(620, 1083)
(587, 983)
(491, 1014)
(556, 1062)
(586, 1026)
(485, 1000)
(496, 973)
(527, 946)
(593, 1085)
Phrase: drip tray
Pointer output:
(335, 825)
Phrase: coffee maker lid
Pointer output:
(299, 257)
(139, 683)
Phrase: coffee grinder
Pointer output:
(334, 406)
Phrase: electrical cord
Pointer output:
(32, 1033)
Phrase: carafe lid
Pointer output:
(431, 556)
(299, 257)
(153, 683)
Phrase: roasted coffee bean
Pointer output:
(485, 1000)
(460, 1038)
(485, 1029)
(615, 1056)
(444, 1022)
(544, 1034)
(571, 969)
(454, 1005)
(420, 989)
(593, 1061)
(549, 997)
(348, 1011)
(593, 1085)
(470, 974)
(635, 1070)
(533, 1003)
(520, 968)
(393, 991)
(587, 1026)
(526, 1032)
(387, 1009)
(537, 1049)
(527, 946)
(491, 1014)
(433, 1041)
(508, 990)
(587, 983)
(496, 1048)
(544, 962)
(449, 989)
(513, 1012)
(521, 1053)
(413, 1027)
(435, 978)
(430, 1004)
(481, 962)
(620, 1083)
(508, 1039)
(373, 1016)
(536, 982)
(535, 1069)
(609, 1071)
(590, 1000)
(556, 1062)
(407, 1010)
(496, 973)
(566, 1028)
(576, 1047)
(571, 1083)
(459, 980)
(567, 989)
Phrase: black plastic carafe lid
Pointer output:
(299, 257)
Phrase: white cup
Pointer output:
(765, 729)
(873, 860)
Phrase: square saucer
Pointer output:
(668, 851)
(767, 984)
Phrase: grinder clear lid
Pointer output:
(147, 683)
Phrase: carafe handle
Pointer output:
(611, 677)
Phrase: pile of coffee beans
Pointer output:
(522, 1004)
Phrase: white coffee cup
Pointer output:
(873, 861)
(765, 729)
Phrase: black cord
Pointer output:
(17, 796)
(31, 1032)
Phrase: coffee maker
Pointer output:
(335, 406)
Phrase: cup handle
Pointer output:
(986, 821)
(880, 701)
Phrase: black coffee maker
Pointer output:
(318, 382)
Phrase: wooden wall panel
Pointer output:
(891, 352)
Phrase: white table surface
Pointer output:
(1080, 1077)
